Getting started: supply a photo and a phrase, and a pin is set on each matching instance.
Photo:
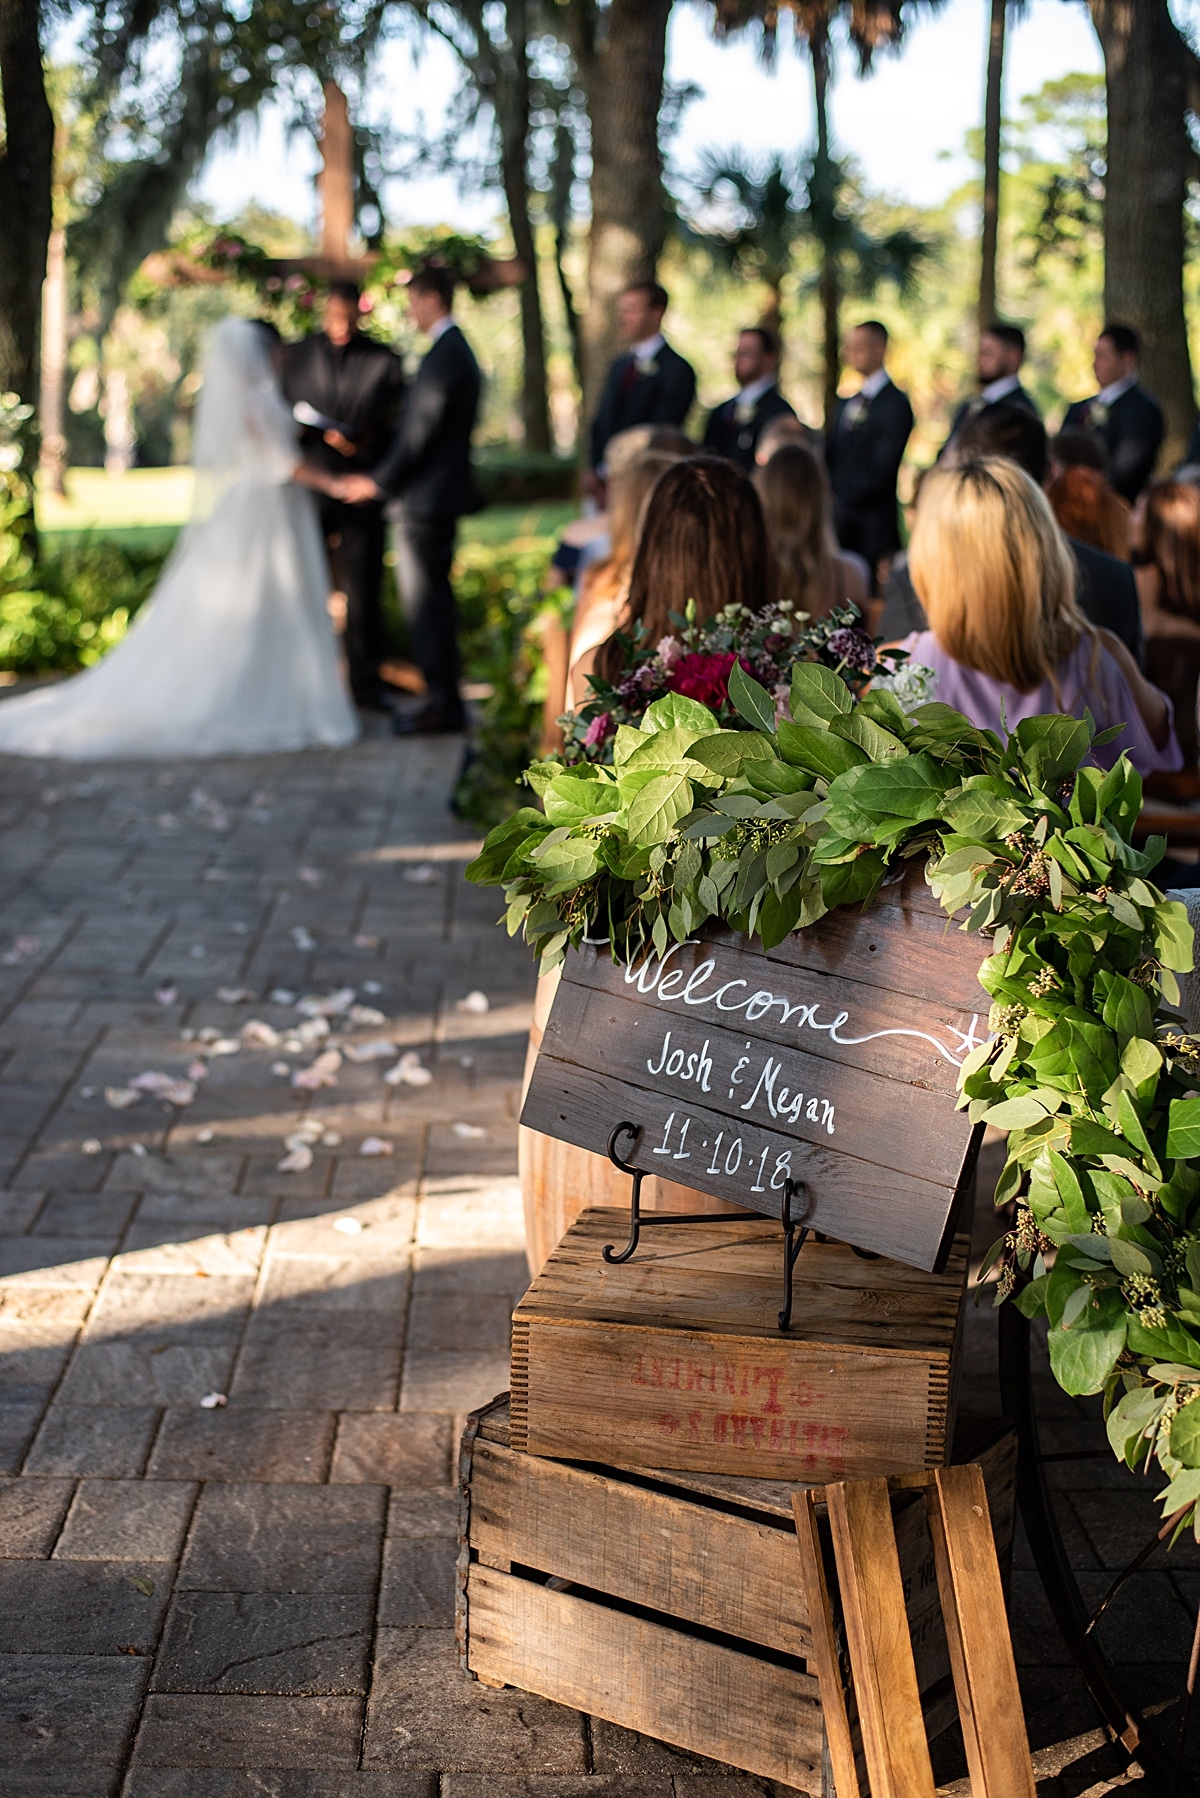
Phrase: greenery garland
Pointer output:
(1089, 1066)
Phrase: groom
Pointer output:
(427, 476)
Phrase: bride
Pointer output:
(234, 653)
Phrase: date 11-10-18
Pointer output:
(729, 1157)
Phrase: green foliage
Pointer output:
(1027, 843)
(70, 608)
(499, 592)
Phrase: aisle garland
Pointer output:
(1089, 1067)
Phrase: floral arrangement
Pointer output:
(1089, 1066)
(696, 663)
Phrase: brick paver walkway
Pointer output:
(255, 1597)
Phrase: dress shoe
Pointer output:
(428, 722)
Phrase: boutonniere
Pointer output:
(1098, 413)
(743, 411)
(856, 410)
(645, 369)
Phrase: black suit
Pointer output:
(662, 395)
(428, 477)
(737, 440)
(1105, 589)
(969, 410)
(864, 454)
(1132, 435)
(360, 384)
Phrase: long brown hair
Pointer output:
(994, 574)
(791, 486)
(628, 492)
(703, 538)
(1087, 508)
(1171, 541)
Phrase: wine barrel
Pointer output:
(558, 1181)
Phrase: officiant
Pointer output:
(347, 391)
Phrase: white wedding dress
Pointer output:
(234, 654)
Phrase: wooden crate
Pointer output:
(672, 1603)
(675, 1358)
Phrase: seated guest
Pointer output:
(1077, 449)
(809, 570)
(998, 370)
(1126, 419)
(1166, 539)
(1106, 591)
(703, 538)
(734, 427)
(605, 586)
(586, 539)
(1088, 510)
(783, 430)
(1006, 638)
(866, 446)
(650, 384)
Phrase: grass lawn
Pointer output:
(144, 509)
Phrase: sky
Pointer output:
(905, 124)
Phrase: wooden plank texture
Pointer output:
(881, 1654)
(696, 1694)
(650, 1548)
(825, 1661)
(675, 1359)
(901, 1215)
(980, 1648)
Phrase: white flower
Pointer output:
(669, 651)
(912, 684)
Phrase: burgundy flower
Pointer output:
(706, 677)
(854, 648)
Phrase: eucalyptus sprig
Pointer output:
(1089, 1066)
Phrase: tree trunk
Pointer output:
(335, 183)
(992, 117)
(1146, 66)
(818, 49)
(628, 217)
(511, 100)
(52, 403)
(26, 177)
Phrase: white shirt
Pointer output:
(1115, 389)
(440, 326)
(999, 390)
(754, 390)
(648, 350)
(874, 384)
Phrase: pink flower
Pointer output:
(598, 731)
(669, 651)
(366, 303)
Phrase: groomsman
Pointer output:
(998, 369)
(650, 384)
(351, 390)
(1125, 418)
(734, 428)
(865, 448)
(428, 477)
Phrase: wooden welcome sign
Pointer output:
(830, 1060)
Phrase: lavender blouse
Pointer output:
(1106, 693)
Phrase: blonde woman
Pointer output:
(1006, 638)
(810, 572)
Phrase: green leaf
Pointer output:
(778, 917)
(500, 843)
(658, 807)
(911, 787)
(1185, 1434)
(1184, 1490)
(1082, 1357)
(1051, 746)
(729, 750)
(1174, 936)
(569, 800)
(1141, 1060)
(1015, 1114)
(1130, 1416)
(677, 711)
(879, 744)
(664, 750)
(751, 700)
(812, 747)
(818, 694)
(1183, 1130)
(984, 809)
(1066, 1183)
(1128, 1258)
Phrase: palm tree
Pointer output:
(871, 25)
(992, 125)
(768, 201)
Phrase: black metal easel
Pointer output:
(795, 1234)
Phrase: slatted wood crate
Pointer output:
(673, 1603)
(675, 1359)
